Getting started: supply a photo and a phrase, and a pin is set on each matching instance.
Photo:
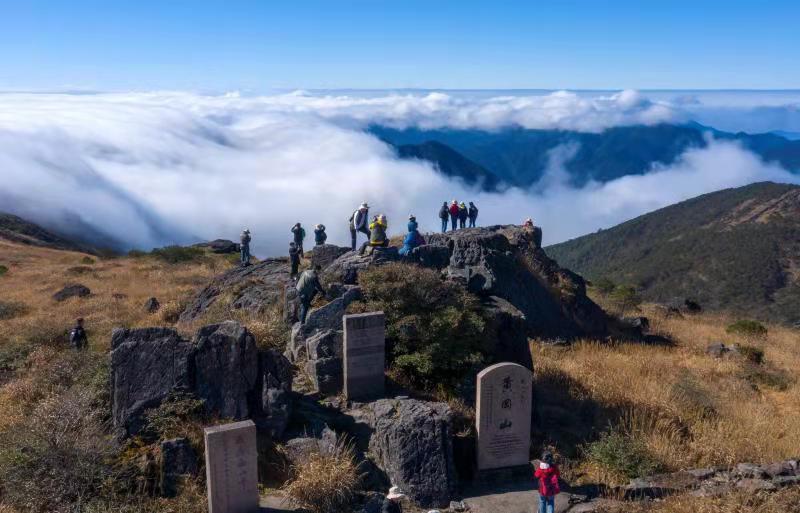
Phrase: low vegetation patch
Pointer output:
(11, 309)
(622, 454)
(747, 328)
(179, 254)
(3, 270)
(324, 482)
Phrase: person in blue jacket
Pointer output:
(412, 223)
(413, 238)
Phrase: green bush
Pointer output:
(752, 354)
(3, 270)
(775, 379)
(605, 286)
(623, 455)
(434, 327)
(136, 253)
(625, 297)
(747, 328)
(11, 309)
(179, 254)
(87, 260)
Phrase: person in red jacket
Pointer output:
(454, 214)
(548, 475)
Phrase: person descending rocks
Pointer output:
(359, 223)
(444, 215)
(462, 215)
(454, 214)
(391, 504)
(377, 238)
(413, 238)
(299, 236)
(547, 473)
(294, 258)
(319, 235)
(472, 212)
(245, 247)
(77, 336)
(307, 287)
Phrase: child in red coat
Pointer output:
(548, 475)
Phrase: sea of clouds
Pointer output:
(151, 169)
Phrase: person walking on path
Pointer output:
(299, 236)
(294, 259)
(391, 504)
(358, 223)
(245, 247)
(444, 215)
(319, 235)
(77, 336)
(462, 215)
(472, 212)
(307, 287)
(547, 473)
(454, 214)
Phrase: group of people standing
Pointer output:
(458, 214)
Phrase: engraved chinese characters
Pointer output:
(503, 417)
(231, 468)
(364, 355)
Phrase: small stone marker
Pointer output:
(231, 468)
(503, 416)
(364, 355)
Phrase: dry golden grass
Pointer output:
(783, 501)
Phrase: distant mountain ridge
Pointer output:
(519, 157)
(735, 249)
(16, 229)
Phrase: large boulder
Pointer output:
(508, 262)
(323, 255)
(412, 443)
(225, 365)
(74, 290)
(252, 288)
(345, 269)
(507, 332)
(147, 365)
(275, 386)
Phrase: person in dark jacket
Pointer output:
(454, 214)
(307, 287)
(391, 504)
(444, 215)
(472, 212)
(547, 474)
(294, 258)
(359, 222)
(245, 247)
(319, 235)
(299, 236)
(462, 215)
(77, 336)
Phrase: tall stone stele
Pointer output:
(364, 355)
(231, 468)
(503, 416)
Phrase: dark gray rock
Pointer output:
(291, 305)
(345, 269)
(297, 450)
(220, 246)
(325, 318)
(412, 443)
(275, 386)
(74, 290)
(252, 288)
(719, 349)
(325, 254)
(327, 375)
(435, 257)
(225, 365)
(754, 485)
(178, 460)
(506, 331)
(147, 365)
(152, 305)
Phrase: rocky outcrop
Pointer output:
(74, 290)
(506, 330)
(252, 288)
(275, 386)
(178, 461)
(220, 246)
(324, 255)
(345, 269)
(508, 262)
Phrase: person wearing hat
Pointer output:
(77, 336)
(413, 238)
(359, 223)
(462, 215)
(391, 504)
(378, 229)
(299, 236)
(528, 223)
(444, 215)
(319, 235)
(454, 214)
(412, 223)
(245, 247)
(547, 473)
(472, 213)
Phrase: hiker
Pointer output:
(462, 215)
(547, 473)
(412, 240)
(307, 287)
(358, 223)
(472, 212)
(77, 336)
(528, 224)
(294, 258)
(444, 214)
(391, 504)
(377, 237)
(319, 235)
(245, 247)
(299, 235)
(412, 223)
(454, 214)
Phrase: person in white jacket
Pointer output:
(359, 222)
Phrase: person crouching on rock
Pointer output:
(377, 238)
(413, 238)
(77, 336)
(547, 473)
(391, 504)
(299, 236)
(307, 287)
(454, 215)
(319, 235)
(444, 215)
(245, 247)
(294, 258)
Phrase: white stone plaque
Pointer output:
(231, 468)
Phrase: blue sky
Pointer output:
(259, 45)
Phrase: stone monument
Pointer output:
(231, 468)
(364, 355)
(503, 416)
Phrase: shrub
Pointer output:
(747, 328)
(434, 327)
(775, 379)
(752, 354)
(270, 329)
(179, 254)
(625, 297)
(11, 309)
(3, 270)
(605, 286)
(622, 454)
(87, 260)
(171, 418)
(324, 482)
(136, 253)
